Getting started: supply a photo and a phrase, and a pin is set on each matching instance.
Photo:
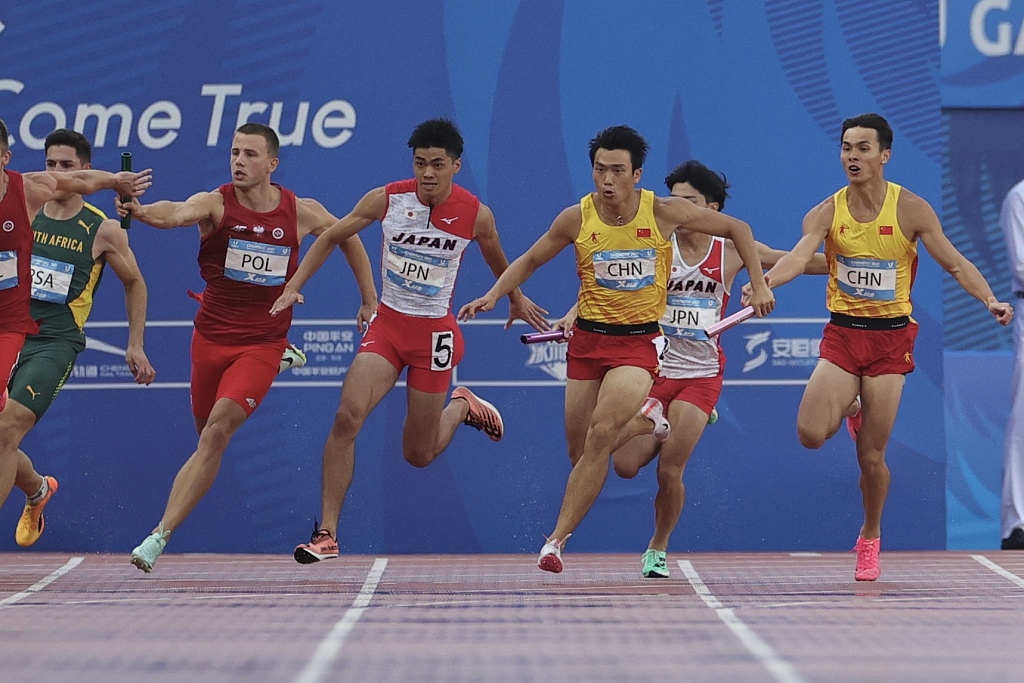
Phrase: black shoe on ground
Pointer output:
(1015, 541)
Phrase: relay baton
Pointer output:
(538, 337)
(731, 321)
(126, 165)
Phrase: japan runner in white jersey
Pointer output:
(428, 222)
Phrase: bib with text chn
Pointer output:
(623, 269)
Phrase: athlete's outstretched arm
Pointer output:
(816, 265)
(485, 232)
(112, 243)
(918, 215)
(673, 212)
(562, 232)
(320, 220)
(368, 209)
(166, 214)
(42, 186)
(816, 225)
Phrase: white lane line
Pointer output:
(1009, 576)
(42, 583)
(327, 651)
(781, 670)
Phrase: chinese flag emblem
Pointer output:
(884, 229)
(646, 232)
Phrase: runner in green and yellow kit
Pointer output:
(73, 241)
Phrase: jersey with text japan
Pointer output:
(697, 296)
(245, 263)
(422, 248)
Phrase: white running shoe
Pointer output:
(550, 559)
(654, 412)
(291, 358)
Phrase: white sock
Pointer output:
(40, 494)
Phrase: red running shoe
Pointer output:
(482, 415)
(868, 566)
(321, 546)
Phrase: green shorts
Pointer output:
(41, 371)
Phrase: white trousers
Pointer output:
(1013, 451)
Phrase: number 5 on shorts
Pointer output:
(442, 350)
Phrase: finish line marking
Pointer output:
(781, 670)
(42, 583)
(327, 651)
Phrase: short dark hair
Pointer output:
(73, 139)
(268, 134)
(5, 137)
(621, 137)
(875, 121)
(713, 186)
(441, 133)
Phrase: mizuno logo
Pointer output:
(449, 221)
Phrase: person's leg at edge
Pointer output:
(827, 399)
(634, 451)
(430, 425)
(688, 422)
(28, 480)
(198, 473)
(368, 381)
(880, 400)
(15, 422)
(10, 347)
(194, 479)
(622, 391)
(580, 400)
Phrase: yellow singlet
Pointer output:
(871, 266)
(623, 269)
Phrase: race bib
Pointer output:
(51, 280)
(8, 269)
(256, 263)
(625, 270)
(442, 350)
(415, 272)
(686, 317)
(864, 278)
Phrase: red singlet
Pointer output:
(246, 262)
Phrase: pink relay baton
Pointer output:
(731, 321)
(538, 337)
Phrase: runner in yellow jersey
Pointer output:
(870, 229)
(621, 237)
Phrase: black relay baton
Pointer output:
(126, 165)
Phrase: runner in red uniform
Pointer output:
(250, 230)
(21, 198)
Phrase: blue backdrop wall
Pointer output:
(756, 90)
